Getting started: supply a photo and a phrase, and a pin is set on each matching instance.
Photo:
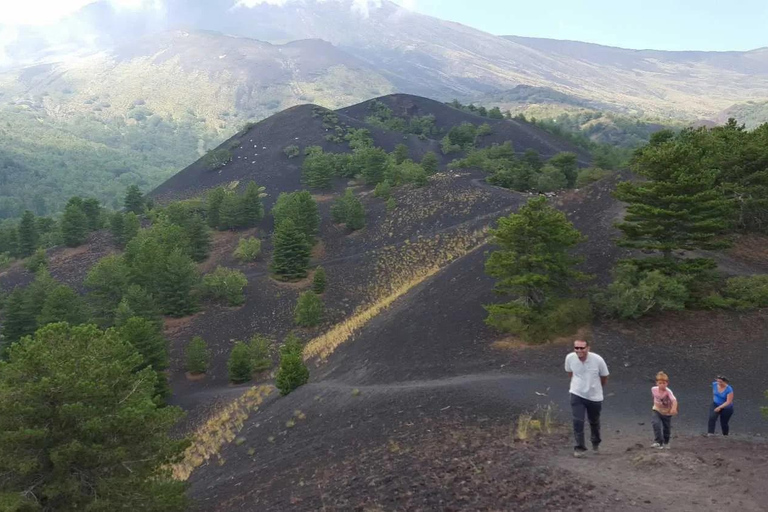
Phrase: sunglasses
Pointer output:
(579, 348)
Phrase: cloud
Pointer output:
(363, 7)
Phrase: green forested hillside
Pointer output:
(44, 161)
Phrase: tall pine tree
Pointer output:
(290, 257)
(176, 285)
(253, 209)
(86, 434)
(199, 238)
(28, 235)
(74, 224)
(62, 304)
(134, 200)
(300, 208)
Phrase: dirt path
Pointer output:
(698, 473)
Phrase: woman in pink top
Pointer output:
(664, 407)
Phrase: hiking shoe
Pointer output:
(666, 446)
(579, 452)
(656, 445)
(596, 448)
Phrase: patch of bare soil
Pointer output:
(751, 249)
(698, 473)
(446, 467)
(223, 244)
(514, 343)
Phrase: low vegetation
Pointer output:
(292, 372)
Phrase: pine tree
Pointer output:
(429, 162)
(230, 212)
(197, 356)
(534, 264)
(260, 358)
(38, 291)
(301, 209)
(113, 453)
(213, 206)
(28, 235)
(290, 257)
(292, 372)
(116, 227)
(176, 284)
(74, 225)
(680, 206)
(319, 281)
(355, 212)
(107, 282)
(400, 154)
(18, 319)
(131, 227)
(309, 310)
(92, 210)
(317, 170)
(225, 284)
(134, 200)
(145, 337)
(123, 313)
(240, 366)
(253, 209)
(568, 165)
(199, 238)
(142, 305)
(62, 304)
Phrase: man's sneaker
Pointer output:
(579, 452)
(656, 445)
(596, 448)
(666, 446)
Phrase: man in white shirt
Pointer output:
(588, 373)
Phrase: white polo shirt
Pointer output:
(586, 375)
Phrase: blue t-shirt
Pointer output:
(720, 398)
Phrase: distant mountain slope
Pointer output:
(138, 114)
(431, 57)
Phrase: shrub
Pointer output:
(391, 204)
(260, 358)
(741, 293)
(198, 356)
(551, 179)
(319, 281)
(240, 364)
(634, 292)
(292, 372)
(292, 151)
(484, 129)
(248, 249)
(349, 210)
(309, 309)
(590, 175)
(216, 158)
(429, 162)
(225, 283)
(37, 260)
(537, 325)
(383, 190)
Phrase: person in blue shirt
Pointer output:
(722, 405)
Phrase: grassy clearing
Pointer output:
(540, 421)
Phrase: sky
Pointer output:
(641, 24)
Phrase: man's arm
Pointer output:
(570, 375)
(603, 380)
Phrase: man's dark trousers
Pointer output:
(581, 406)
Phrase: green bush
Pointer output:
(319, 281)
(634, 292)
(741, 293)
(216, 158)
(260, 358)
(383, 190)
(37, 260)
(227, 284)
(309, 309)
(248, 249)
(538, 325)
(590, 175)
(391, 204)
(240, 364)
(197, 356)
(292, 372)
(292, 151)
(551, 179)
